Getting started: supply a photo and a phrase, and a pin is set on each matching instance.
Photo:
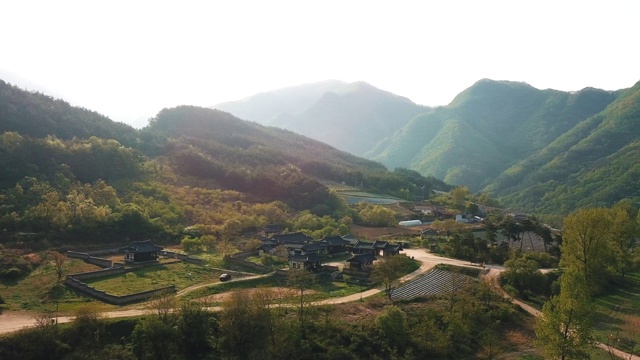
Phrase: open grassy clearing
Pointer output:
(179, 274)
(323, 289)
(40, 290)
(617, 319)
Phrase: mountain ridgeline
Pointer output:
(72, 174)
(352, 117)
(544, 151)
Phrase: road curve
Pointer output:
(14, 321)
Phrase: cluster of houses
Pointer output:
(303, 252)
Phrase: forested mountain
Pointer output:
(487, 128)
(596, 163)
(351, 117)
(72, 174)
(38, 115)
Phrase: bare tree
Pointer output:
(59, 259)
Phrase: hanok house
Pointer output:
(308, 262)
(291, 238)
(384, 248)
(335, 244)
(361, 262)
(141, 251)
(363, 247)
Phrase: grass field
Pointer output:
(179, 274)
(40, 290)
(617, 317)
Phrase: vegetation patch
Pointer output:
(179, 274)
(617, 319)
(40, 289)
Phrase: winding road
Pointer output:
(13, 321)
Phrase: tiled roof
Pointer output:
(141, 246)
(363, 258)
(307, 257)
(363, 245)
(335, 241)
(314, 246)
(292, 238)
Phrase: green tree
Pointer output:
(524, 275)
(459, 194)
(389, 270)
(586, 245)
(243, 333)
(301, 280)
(564, 329)
(197, 328)
(377, 215)
(393, 324)
(157, 336)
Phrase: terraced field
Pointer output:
(432, 283)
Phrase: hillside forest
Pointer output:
(200, 179)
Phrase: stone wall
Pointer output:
(244, 254)
(183, 257)
(74, 282)
(245, 263)
(89, 258)
(98, 273)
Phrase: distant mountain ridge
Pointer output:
(536, 149)
(352, 117)
(487, 128)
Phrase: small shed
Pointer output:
(141, 251)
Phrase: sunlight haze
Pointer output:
(128, 60)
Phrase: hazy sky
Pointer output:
(130, 59)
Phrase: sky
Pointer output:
(130, 59)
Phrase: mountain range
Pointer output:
(352, 117)
(540, 151)
(536, 149)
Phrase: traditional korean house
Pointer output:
(383, 248)
(290, 238)
(361, 261)
(308, 262)
(363, 247)
(335, 244)
(141, 251)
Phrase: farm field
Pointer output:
(353, 197)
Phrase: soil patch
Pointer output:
(373, 233)
(276, 294)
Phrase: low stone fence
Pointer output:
(89, 258)
(115, 299)
(244, 254)
(98, 273)
(356, 273)
(330, 268)
(77, 254)
(249, 264)
(182, 257)
(282, 272)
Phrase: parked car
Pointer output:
(225, 277)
